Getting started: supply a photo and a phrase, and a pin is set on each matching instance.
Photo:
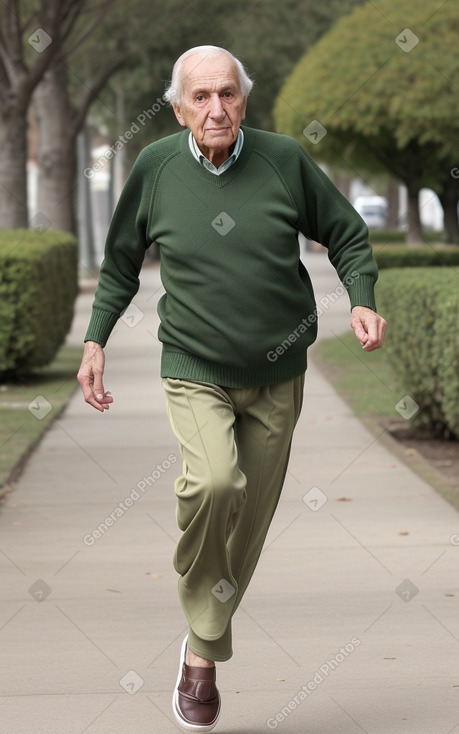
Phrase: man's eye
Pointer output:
(227, 94)
(199, 98)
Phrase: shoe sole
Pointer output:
(186, 724)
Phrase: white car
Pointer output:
(373, 210)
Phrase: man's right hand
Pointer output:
(90, 377)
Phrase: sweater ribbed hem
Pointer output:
(361, 292)
(100, 325)
(181, 366)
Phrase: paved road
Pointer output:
(350, 625)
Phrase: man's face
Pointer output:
(212, 105)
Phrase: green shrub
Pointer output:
(445, 349)
(421, 306)
(422, 256)
(387, 235)
(38, 286)
(394, 236)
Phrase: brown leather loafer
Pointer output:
(196, 700)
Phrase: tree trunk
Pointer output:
(393, 203)
(57, 150)
(414, 234)
(449, 201)
(13, 170)
(87, 255)
(343, 184)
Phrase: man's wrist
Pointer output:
(92, 346)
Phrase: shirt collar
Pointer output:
(210, 166)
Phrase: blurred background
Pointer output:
(86, 80)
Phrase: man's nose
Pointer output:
(216, 107)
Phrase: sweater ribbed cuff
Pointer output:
(100, 326)
(361, 292)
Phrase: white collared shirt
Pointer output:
(205, 161)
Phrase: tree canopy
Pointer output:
(384, 84)
(68, 50)
(267, 36)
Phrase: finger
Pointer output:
(372, 333)
(98, 387)
(377, 330)
(85, 384)
(372, 342)
(95, 404)
(359, 330)
(105, 400)
(90, 398)
(101, 404)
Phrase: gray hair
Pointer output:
(173, 91)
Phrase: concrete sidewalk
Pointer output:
(350, 623)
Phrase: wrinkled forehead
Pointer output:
(201, 73)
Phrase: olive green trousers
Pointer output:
(235, 446)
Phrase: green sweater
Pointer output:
(238, 308)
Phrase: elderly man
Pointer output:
(225, 204)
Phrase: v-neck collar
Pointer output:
(228, 175)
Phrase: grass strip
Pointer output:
(364, 379)
(29, 406)
(368, 385)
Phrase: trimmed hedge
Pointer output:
(421, 306)
(38, 287)
(424, 256)
(393, 236)
(387, 235)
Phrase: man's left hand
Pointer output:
(369, 327)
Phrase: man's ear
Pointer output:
(178, 114)
(244, 108)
